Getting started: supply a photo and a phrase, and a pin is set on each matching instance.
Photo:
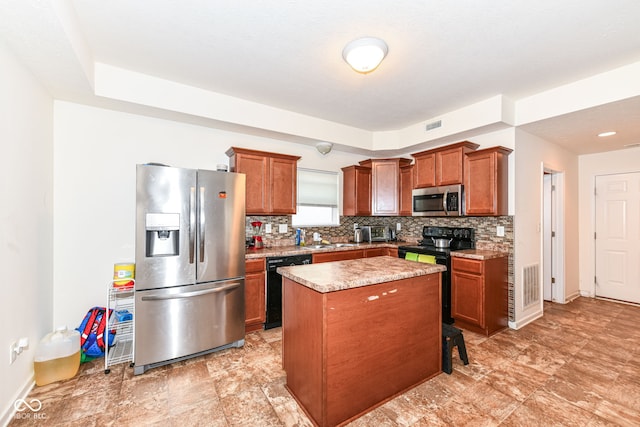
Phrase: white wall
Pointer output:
(26, 223)
(592, 165)
(96, 151)
(532, 154)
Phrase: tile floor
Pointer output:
(579, 365)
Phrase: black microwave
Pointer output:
(438, 201)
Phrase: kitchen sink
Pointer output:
(331, 245)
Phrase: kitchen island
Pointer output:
(357, 333)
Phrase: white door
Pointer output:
(617, 236)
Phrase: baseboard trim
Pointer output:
(10, 411)
(525, 321)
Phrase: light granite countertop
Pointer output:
(300, 250)
(478, 254)
(341, 275)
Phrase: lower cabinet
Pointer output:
(479, 294)
(355, 254)
(368, 253)
(254, 294)
(337, 256)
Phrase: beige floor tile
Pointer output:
(578, 365)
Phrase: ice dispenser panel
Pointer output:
(163, 234)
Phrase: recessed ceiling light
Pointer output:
(610, 133)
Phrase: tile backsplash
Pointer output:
(410, 232)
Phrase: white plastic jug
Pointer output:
(57, 356)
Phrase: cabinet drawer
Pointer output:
(254, 265)
(467, 265)
(369, 253)
(337, 256)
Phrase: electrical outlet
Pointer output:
(267, 228)
(355, 225)
(500, 231)
(12, 352)
(282, 228)
(398, 226)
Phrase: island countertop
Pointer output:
(341, 275)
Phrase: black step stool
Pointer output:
(452, 337)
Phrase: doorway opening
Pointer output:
(552, 235)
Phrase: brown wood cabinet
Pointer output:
(479, 294)
(271, 180)
(343, 357)
(336, 256)
(385, 185)
(486, 183)
(406, 187)
(356, 193)
(254, 294)
(372, 252)
(441, 166)
(353, 254)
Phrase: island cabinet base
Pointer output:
(347, 352)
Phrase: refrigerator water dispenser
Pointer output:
(163, 234)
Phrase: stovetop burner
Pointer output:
(460, 238)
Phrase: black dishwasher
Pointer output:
(274, 286)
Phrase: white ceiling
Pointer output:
(443, 55)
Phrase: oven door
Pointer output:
(442, 258)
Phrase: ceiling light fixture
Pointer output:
(365, 54)
(605, 134)
(324, 147)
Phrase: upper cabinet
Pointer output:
(356, 193)
(406, 187)
(271, 180)
(441, 166)
(486, 182)
(385, 185)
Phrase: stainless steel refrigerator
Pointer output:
(190, 246)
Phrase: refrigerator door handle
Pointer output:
(191, 294)
(192, 223)
(202, 233)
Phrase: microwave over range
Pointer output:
(438, 201)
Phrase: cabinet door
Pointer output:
(254, 299)
(486, 181)
(406, 186)
(256, 168)
(425, 170)
(467, 290)
(480, 185)
(356, 191)
(385, 188)
(254, 294)
(363, 192)
(467, 297)
(283, 185)
(336, 256)
(449, 166)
